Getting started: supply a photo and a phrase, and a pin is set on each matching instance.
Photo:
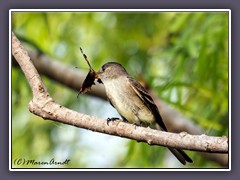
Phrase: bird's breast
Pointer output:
(127, 102)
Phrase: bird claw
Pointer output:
(111, 119)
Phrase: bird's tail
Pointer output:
(181, 155)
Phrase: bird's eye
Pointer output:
(103, 68)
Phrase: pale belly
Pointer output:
(129, 105)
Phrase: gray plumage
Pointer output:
(133, 102)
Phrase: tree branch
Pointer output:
(44, 106)
(72, 78)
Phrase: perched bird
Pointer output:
(133, 102)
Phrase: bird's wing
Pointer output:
(147, 100)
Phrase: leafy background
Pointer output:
(182, 55)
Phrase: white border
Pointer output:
(121, 10)
(117, 10)
(229, 90)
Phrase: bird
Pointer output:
(133, 102)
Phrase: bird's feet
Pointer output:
(111, 119)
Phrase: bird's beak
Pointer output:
(96, 75)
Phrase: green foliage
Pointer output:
(197, 56)
(183, 55)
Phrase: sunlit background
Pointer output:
(182, 55)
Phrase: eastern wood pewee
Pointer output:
(133, 102)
